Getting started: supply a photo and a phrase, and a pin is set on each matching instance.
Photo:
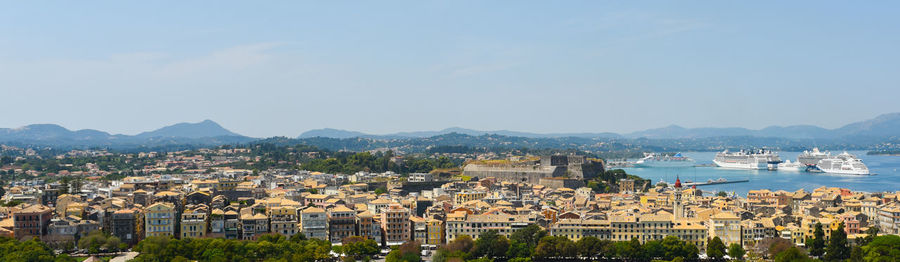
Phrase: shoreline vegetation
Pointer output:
(884, 153)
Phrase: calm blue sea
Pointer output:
(886, 168)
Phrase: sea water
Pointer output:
(885, 168)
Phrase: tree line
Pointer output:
(524, 245)
(534, 243)
(349, 163)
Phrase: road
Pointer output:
(126, 257)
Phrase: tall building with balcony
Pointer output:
(31, 221)
(284, 220)
(368, 226)
(159, 220)
(252, 226)
(193, 222)
(232, 223)
(123, 224)
(341, 223)
(396, 225)
(435, 228)
(889, 219)
(462, 223)
(726, 226)
(418, 229)
(216, 223)
(314, 223)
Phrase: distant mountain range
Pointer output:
(203, 133)
(338, 133)
(207, 128)
(883, 126)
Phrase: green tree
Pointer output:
(736, 251)
(653, 250)
(792, 254)
(531, 235)
(856, 254)
(380, 190)
(592, 247)
(462, 243)
(779, 245)
(555, 247)
(518, 250)
(97, 241)
(490, 244)
(715, 248)
(722, 194)
(882, 248)
(29, 250)
(838, 248)
(407, 252)
(816, 244)
(359, 247)
(871, 233)
(675, 247)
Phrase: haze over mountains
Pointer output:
(883, 126)
(207, 132)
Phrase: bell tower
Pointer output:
(678, 209)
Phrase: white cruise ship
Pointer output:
(760, 159)
(811, 158)
(844, 163)
(787, 165)
(656, 160)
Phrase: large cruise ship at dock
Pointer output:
(845, 163)
(760, 159)
(656, 160)
(811, 158)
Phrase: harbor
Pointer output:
(887, 168)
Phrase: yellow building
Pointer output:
(63, 201)
(808, 227)
(624, 228)
(726, 226)
(193, 223)
(284, 220)
(75, 209)
(159, 219)
(461, 223)
(435, 231)
(690, 231)
(576, 229)
(467, 196)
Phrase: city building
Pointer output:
(314, 223)
(159, 220)
(726, 226)
(396, 225)
(193, 222)
(341, 223)
(32, 221)
(284, 220)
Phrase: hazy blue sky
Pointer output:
(280, 68)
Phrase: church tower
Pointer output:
(678, 210)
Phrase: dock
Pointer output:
(715, 182)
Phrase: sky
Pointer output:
(279, 68)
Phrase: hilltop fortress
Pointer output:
(557, 167)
